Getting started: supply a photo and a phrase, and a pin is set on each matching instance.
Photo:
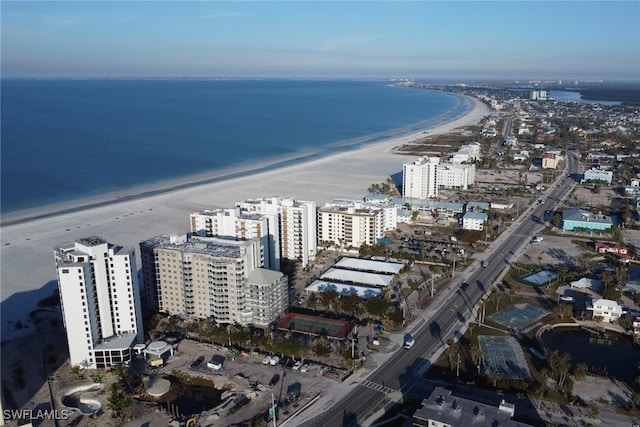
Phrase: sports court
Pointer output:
(314, 325)
(519, 316)
(539, 279)
(504, 357)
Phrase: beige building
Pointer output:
(236, 224)
(346, 223)
(550, 160)
(213, 278)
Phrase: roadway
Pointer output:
(447, 319)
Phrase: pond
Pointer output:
(196, 398)
(608, 353)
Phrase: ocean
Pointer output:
(64, 140)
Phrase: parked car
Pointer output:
(297, 365)
(197, 362)
(274, 360)
(274, 380)
(267, 360)
(304, 368)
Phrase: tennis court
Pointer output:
(519, 316)
(314, 325)
(503, 357)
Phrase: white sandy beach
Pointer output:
(27, 272)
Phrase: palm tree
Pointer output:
(452, 351)
(476, 356)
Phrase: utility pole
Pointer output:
(273, 409)
(453, 271)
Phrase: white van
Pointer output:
(409, 341)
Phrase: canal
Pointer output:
(605, 353)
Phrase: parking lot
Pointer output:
(247, 376)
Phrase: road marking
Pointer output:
(377, 387)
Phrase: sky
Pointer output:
(325, 39)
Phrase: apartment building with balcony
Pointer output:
(236, 224)
(214, 278)
(295, 221)
(346, 223)
(458, 176)
(100, 301)
(420, 178)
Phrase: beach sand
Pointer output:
(27, 271)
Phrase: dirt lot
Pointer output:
(556, 251)
(240, 374)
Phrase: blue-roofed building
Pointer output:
(474, 220)
(449, 209)
(576, 218)
(478, 206)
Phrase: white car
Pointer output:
(274, 360)
(304, 368)
(266, 360)
(297, 365)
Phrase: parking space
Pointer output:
(246, 376)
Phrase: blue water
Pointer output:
(69, 139)
(570, 96)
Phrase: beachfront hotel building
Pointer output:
(241, 225)
(295, 221)
(420, 178)
(346, 223)
(213, 278)
(100, 301)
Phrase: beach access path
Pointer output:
(27, 270)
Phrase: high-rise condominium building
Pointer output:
(296, 222)
(458, 176)
(236, 224)
(419, 178)
(100, 301)
(213, 278)
(353, 223)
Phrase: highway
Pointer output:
(449, 316)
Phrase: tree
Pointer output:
(476, 356)
(621, 275)
(580, 371)
(351, 304)
(376, 307)
(321, 348)
(76, 371)
(328, 298)
(452, 351)
(564, 310)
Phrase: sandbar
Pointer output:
(27, 271)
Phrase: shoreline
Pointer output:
(27, 273)
(279, 162)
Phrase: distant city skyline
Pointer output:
(332, 39)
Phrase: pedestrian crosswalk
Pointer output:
(379, 387)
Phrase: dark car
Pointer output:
(464, 286)
(274, 380)
(197, 362)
